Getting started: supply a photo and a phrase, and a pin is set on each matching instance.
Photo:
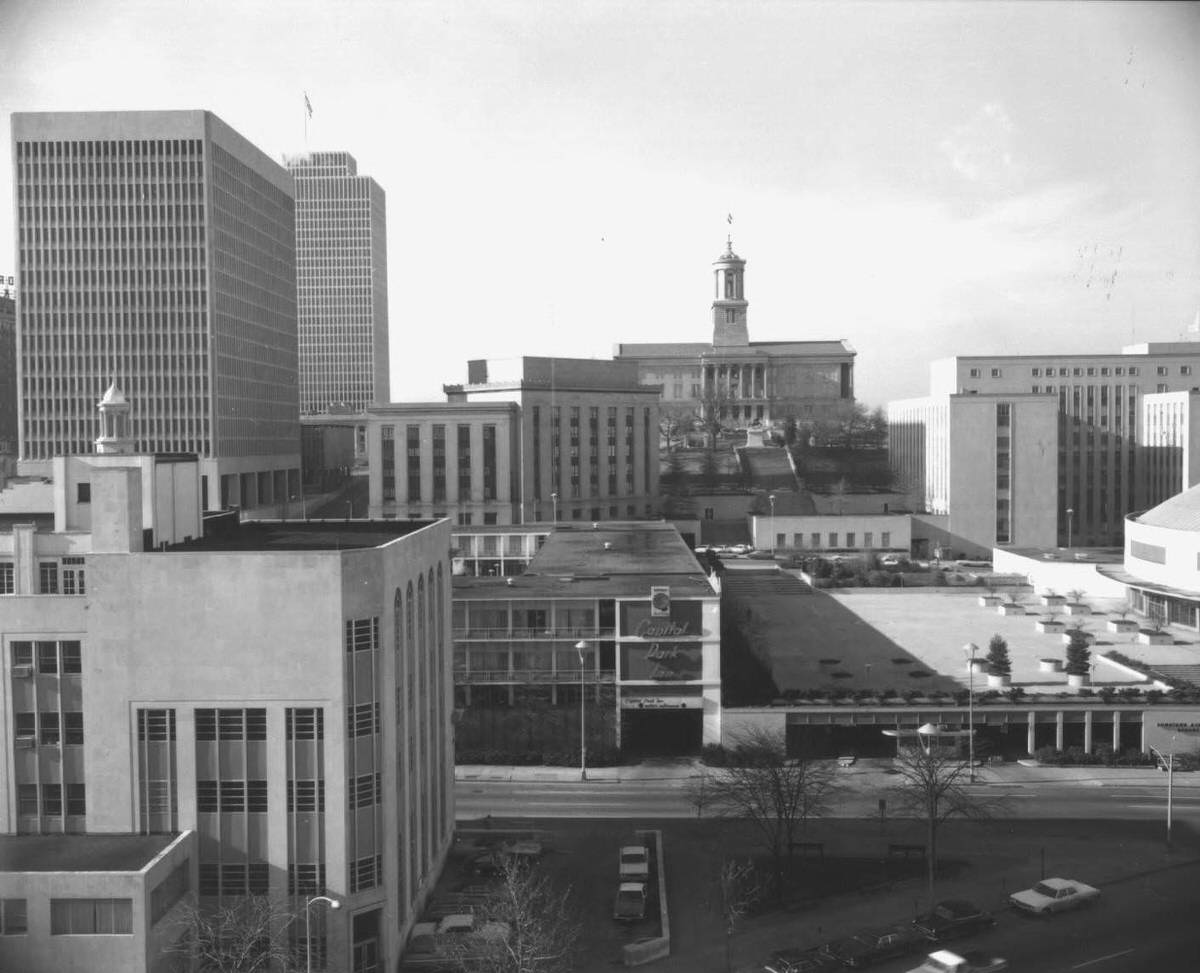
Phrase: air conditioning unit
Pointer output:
(23, 671)
(26, 743)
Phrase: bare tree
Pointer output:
(932, 788)
(543, 925)
(777, 794)
(739, 889)
(248, 935)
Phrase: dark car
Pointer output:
(865, 948)
(953, 918)
(798, 960)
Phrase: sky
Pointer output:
(920, 179)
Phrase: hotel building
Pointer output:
(746, 382)
(278, 694)
(157, 250)
(8, 380)
(341, 282)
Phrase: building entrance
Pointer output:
(661, 733)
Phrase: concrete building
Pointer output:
(986, 462)
(820, 534)
(157, 250)
(307, 746)
(744, 382)
(1162, 561)
(8, 383)
(1101, 468)
(341, 281)
(1170, 441)
(484, 552)
(620, 611)
(527, 440)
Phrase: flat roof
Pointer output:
(311, 535)
(81, 852)
(611, 559)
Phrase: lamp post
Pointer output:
(771, 498)
(333, 904)
(554, 505)
(1170, 782)
(1070, 524)
(970, 649)
(579, 647)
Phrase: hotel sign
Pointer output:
(638, 621)
(662, 702)
(665, 661)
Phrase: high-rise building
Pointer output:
(157, 250)
(155, 709)
(8, 379)
(738, 382)
(341, 281)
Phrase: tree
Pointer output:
(775, 793)
(739, 889)
(543, 925)
(248, 935)
(998, 661)
(931, 789)
(1079, 657)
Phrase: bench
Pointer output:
(808, 849)
(906, 851)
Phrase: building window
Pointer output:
(73, 582)
(83, 493)
(48, 729)
(885, 539)
(365, 873)
(1037, 372)
(13, 918)
(7, 578)
(974, 373)
(76, 800)
(709, 513)
(48, 577)
(91, 917)
(73, 729)
(1133, 370)
(850, 538)
(833, 539)
(1185, 369)
(1161, 370)
(996, 373)
(815, 539)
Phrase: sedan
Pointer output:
(1054, 895)
(953, 917)
(800, 961)
(866, 948)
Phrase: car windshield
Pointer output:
(633, 855)
(1043, 889)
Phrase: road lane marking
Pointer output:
(1102, 959)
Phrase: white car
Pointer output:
(944, 961)
(1054, 895)
(635, 863)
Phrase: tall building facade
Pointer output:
(157, 250)
(303, 751)
(8, 380)
(1105, 406)
(739, 381)
(341, 280)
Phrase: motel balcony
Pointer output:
(526, 634)
(526, 676)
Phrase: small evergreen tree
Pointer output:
(998, 661)
(1078, 655)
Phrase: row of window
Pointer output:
(49, 730)
(72, 577)
(52, 804)
(52, 658)
(851, 539)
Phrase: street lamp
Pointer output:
(554, 504)
(333, 904)
(970, 649)
(1169, 759)
(579, 647)
(771, 498)
(1070, 525)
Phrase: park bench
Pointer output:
(906, 851)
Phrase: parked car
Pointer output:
(952, 918)
(453, 937)
(630, 904)
(520, 852)
(797, 960)
(1054, 895)
(975, 961)
(865, 948)
(634, 863)
(893, 560)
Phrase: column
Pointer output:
(1087, 731)
(1031, 734)
(1116, 740)
(1058, 730)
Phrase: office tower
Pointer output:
(341, 282)
(8, 379)
(157, 250)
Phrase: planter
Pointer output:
(1089, 637)
(1050, 665)
(1150, 637)
(998, 680)
(1121, 625)
(1074, 608)
(989, 601)
(1050, 626)
(1053, 599)
(1010, 609)
(1078, 680)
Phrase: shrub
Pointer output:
(997, 657)
(1078, 655)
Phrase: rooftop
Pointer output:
(81, 852)
(1180, 512)
(312, 535)
(611, 559)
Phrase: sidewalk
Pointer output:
(685, 768)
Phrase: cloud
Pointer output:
(982, 149)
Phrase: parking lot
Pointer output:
(987, 862)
